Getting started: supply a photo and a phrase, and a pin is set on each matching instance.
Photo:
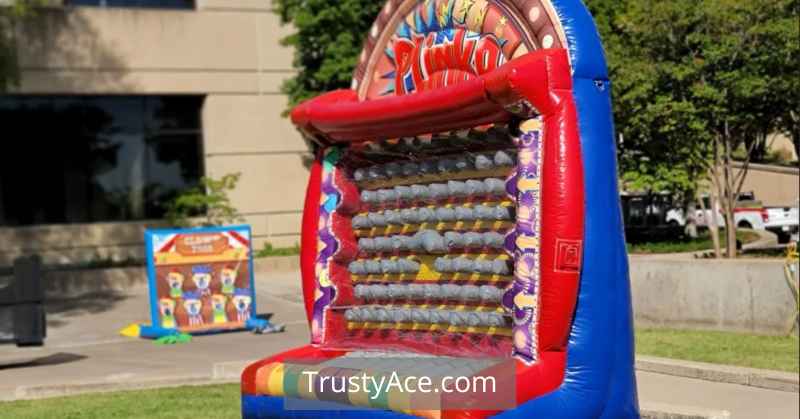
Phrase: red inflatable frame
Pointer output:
(537, 83)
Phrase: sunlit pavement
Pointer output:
(83, 344)
(84, 351)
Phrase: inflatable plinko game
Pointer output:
(464, 206)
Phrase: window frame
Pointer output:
(102, 4)
(146, 132)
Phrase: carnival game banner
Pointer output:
(201, 279)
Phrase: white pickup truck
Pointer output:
(783, 221)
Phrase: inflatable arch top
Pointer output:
(464, 204)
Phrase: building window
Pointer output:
(83, 159)
(150, 4)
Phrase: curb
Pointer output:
(766, 239)
(230, 372)
(221, 373)
(77, 284)
(668, 411)
(73, 389)
(767, 379)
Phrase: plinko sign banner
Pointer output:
(201, 280)
(443, 43)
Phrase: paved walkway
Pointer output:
(740, 401)
(83, 344)
(83, 348)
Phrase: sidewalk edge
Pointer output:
(767, 379)
(650, 410)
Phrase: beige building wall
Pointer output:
(773, 185)
(227, 50)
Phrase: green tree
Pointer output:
(662, 133)
(788, 61)
(206, 205)
(327, 40)
(10, 14)
(695, 82)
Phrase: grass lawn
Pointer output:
(219, 401)
(681, 245)
(222, 401)
(766, 352)
(269, 251)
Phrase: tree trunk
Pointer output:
(691, 219)
(711, 222)
(730, 233)
(729, 199)
(794, 131)
(715, 198)
(730, 193)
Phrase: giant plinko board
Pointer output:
(464, 204)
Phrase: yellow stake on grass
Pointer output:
(789, 272)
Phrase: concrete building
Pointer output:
(775, 186)
(171, 90)
(124, 103)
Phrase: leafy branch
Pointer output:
(207, 204)
(11, 13)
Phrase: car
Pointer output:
(649, 216)
(784, 222)
(750, 214)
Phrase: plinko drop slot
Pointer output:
(463, 207)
